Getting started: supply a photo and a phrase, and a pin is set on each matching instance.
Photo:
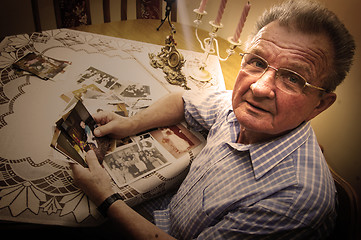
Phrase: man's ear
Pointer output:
(326, 100)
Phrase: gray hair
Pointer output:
(312, 17)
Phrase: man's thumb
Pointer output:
(103, 130)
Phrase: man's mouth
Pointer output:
(257, 107)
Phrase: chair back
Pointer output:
(347, 210)
(72, 13)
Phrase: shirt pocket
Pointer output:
(275, 190)
(216, 201)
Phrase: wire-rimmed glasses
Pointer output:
(286, 80)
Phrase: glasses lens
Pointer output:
(286, 80)
(253, 64)
(289, 81)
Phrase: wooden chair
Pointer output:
(72, 13)
(347, 210)
(152, 9)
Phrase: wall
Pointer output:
(338, 129)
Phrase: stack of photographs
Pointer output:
(40, 65)
(73, 136)
(126, 160)
(146, 153)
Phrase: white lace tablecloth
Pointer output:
(34, 186)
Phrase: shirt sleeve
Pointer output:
(201, 109)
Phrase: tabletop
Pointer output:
(185, 38)
(35, 181)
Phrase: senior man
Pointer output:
(261, 174)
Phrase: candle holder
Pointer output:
(209, 46)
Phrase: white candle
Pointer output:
(220, 12)
(202, 6)
(241, 22)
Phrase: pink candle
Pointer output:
(202, 6)
(220, 12)
(241, 22)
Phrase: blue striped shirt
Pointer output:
(281, 189)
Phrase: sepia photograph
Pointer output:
(177, 139)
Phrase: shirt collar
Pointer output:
(231, 117)
(265, 156)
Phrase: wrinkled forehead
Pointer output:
(312, 50)
(289, 36)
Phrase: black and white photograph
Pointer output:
(132, 161)
(95, 75)
(136, 91)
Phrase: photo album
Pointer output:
(126, 160)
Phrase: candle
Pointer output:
(220, 12)
(241, 22)
(202, 6)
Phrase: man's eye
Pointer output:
(294, 79)
(291, 78)
(258, 63)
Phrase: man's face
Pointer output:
(258, 104)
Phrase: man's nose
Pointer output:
(265, 85)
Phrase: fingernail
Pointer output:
(97, 132)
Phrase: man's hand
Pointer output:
(167, 111)
(113, 125)
(94, 181)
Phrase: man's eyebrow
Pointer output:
(302, 69)
(297, 66)
(258, 52)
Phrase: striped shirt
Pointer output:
(281, 189)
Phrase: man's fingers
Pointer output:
(104, 129)
(101, 130)
(92, 160)
(103, 117)
(77, 169)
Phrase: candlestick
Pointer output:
(241, 22)
(210, 45)
(220, 12)
(202, 6)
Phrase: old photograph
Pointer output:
(95, 75)
(41, 65)
(132, 161)
(178, 140)
(136, 91)
(79, 126)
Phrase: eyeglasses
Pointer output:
(286, 80)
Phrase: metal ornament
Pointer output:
(171, 61)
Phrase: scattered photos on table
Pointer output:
(129, 97)
(126, 160)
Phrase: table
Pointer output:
(36, 185)
(184, 36)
